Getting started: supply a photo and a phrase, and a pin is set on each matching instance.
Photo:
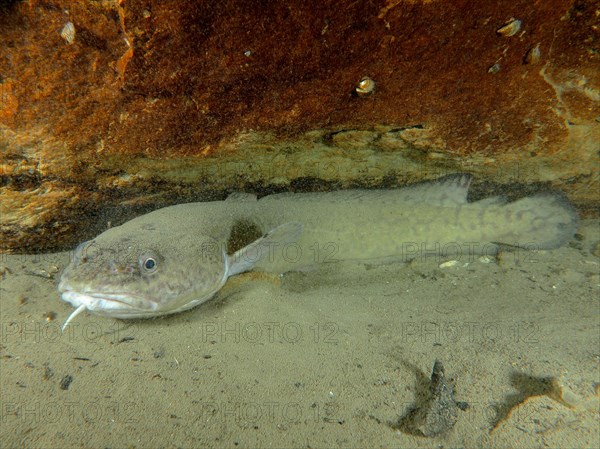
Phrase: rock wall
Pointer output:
(126, 105)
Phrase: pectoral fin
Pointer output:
(251, 255)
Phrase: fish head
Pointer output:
(144, 275)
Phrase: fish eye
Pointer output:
(148, 264)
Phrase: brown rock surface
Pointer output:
(155, 102)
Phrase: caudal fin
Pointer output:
(542, 221)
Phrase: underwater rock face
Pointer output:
(140, 104)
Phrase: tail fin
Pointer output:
(544, 221)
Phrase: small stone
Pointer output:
(66, 382)
(48, 373)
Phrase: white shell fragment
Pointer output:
(366, 86)
(510, 28)
(534, 55)
(449, 264)
(68, 32)
(486, 259)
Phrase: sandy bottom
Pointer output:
(332, 358)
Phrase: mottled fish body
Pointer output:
(177, 257)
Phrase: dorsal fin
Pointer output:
(241, 197)
(448, 191)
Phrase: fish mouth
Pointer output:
(105, 303)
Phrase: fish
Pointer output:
(177, 257)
